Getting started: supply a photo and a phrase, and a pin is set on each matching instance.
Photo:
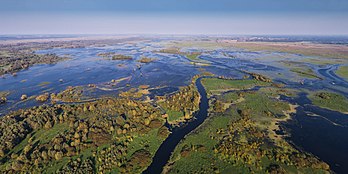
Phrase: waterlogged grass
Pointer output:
(329, 100)
(305, 72)
(193, 57)
(213, 85)
(44, 83)
(343, 72)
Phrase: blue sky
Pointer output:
(323, 17)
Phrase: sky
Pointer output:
(218, 17)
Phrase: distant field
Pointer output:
(343, 72)
(310, 49)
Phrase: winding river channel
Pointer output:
(167, 147)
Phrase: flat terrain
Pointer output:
(108, 104)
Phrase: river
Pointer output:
(167, 147)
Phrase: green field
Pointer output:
(329, 100)
(343, 72)
(215, 85)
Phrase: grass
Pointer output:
(149, 141)
(4, 93)
(310, 49)
(262, 109)
(146, 60)
(200, 160)
(195, 60)
(44, 136)
(193, 56)
(305, 72)
(214, 84)
(44, 83)
(343, 72)
(275, 92)
(329, 100)
(121, 57)
(323, 61)
(56, 165)
(174, 115)
(229, 97)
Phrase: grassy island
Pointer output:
(329, 100)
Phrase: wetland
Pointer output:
(146, 104)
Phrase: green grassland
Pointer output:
(215, 85)
(305, 72)
(193, 57)
(329, 100)
(174, 115)
(343, 72)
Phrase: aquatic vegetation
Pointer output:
(24, 96)
(193, 56)
(343, 72)
(260, 77)
(329, 100)
(309, 73)
(121, 57)
(3, 95)
(42, 97)
(134, 93)
(171, 50)
(44, 83)
(70, 94)
(12, 61)
(301, 69)
(146, 60)
(3, 100)
(115, 56)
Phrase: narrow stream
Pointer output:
(167, 147)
